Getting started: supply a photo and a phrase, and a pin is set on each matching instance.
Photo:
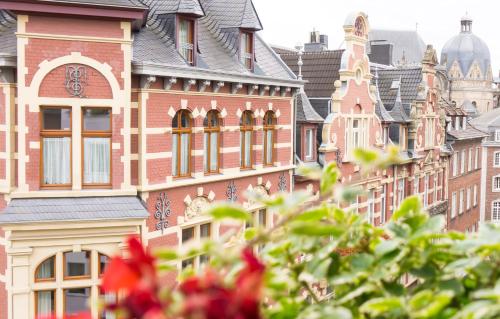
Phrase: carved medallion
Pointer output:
(197, 207)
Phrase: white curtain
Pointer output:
(183, 156)
(269, 146)
(45, 270)
(96, 162)
(214, 150)
(44, 303)
(248, 148)
(174, 155)
(57, 160)
(205, 151)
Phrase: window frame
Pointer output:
(495, 163)
(309, 144)
(462, 162)
(370, 206)
(383, 203)
(272, 128)
(56, 134)
(243, 129)
(193, 35)
(455, 164)
(475, 194)
(426, 189)
(469, 166)
(100, 272)
(476, 166)
(493, 208)
(497, 135)
(69, 288)
(453, 208)
(468, 200)
(209, 129)
(250, 52)
(179, 130)
(68, 278)
(495, 189)
(52, 279)
(54, 300)
(461, 204)
(97, 134)
(196, 237)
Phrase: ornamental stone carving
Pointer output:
(196, 207)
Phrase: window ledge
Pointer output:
(74, 193)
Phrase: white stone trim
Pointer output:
(73, 193)
(227, 150)
(160, 155)
(157, 130)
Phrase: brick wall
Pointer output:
(491, 172)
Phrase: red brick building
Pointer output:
(464, 187)
(372, 106)
(127, 117)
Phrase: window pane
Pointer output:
(262, 218)
(184, 154)
(103, 263)
(45, 303)
(269, 147)
(96, 161)
(76, 300)
(248, 148)
(57, 161)
(77, 264)
(187, 234)
(57, 119)
(97, 119)
(46, 270)
(174, 153)
(214, 150)
(205, 231)
(205, 151)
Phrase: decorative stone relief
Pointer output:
(196, 207)
(231, 192)
(76, 79)
(282, 187)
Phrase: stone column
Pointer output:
(18, 283)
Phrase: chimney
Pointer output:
(318, 42)
(381, 52)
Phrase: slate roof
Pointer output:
(108, 3)
(398, 112)
(469, 133)
(380, 109)
(407, 44)
(305, 111)
(8, 40)
(175, 6)
(320, 70)
(487, 120)
(218, 38)
(72, 209)
(410, 78)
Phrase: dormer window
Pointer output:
(247, 49)
(186, 39)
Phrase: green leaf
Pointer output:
(316, 229)
(250, 233)
(229, 212)
(379, 306)
(409, 206)
(386, 246)
(166, 254)
(329, 178)
(365, 157)
(314, 214)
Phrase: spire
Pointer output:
(300, 63)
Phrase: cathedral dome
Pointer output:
(466, 48)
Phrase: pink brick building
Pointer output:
(127, 117)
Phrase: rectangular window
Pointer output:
(196, 233)
(497, 135)
(96, 133)
(186, 39)
(45, 303)
(77, 264)
(246, 49)
(496, 159)
(462, 163)
(356, 134)
(383, 203)
(435, 191)
(453, 205)
(76, 300)
(495, 212)
(309, 156)
(468, 206)
(455, 164)
(56, 147)
(476, 165)
(416, 186)
(426, 190)
(401, 191)
(496, 183)
(371, 207)
(470, 159)
(461, 202)
(475, 195)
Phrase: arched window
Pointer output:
(45, 271)
(181, 144)
(246, 139)
(269, 137)
(211, 142)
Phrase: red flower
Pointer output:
(136, 277)
(208, 298)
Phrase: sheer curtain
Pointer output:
(174, 154)
(44, 303)
(248, 148)
(45, 270)
(205, 151)
(96, 163)
(57, 160)
(269, 146)
(214, 150)
(184, 154)
(184, 38)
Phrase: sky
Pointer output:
(289, 22)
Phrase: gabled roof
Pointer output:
(380, 109)
(408, 46)
(233, 14)
(398, 113)
(305, 111)
(320, 70)
(73, 209)
(409, 78)
(487, 120)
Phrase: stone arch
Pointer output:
(75, 58)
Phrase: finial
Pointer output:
(300, 63)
